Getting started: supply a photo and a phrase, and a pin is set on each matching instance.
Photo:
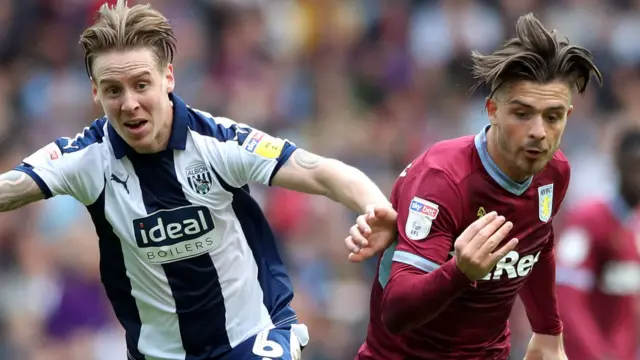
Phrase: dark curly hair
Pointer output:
(535, 54)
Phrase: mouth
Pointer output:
(136, 128)
(533, 153)
(135, 124)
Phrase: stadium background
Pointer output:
(370, 82)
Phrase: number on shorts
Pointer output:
(266, 348)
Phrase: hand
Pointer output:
(534, 354)
(545, 347)
(474, 248)
(373, 232)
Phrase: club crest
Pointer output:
(199, 178)
(545, 202)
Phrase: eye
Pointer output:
(554, 117)
(112, 91)
(522, 115)
(142, 85)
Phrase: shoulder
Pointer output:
(559, 165)
(224, 137)
(71, 165)
(90, 137)
(221, 129)
(65, 151)
(436, 174)
(454, 158)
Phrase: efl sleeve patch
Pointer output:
(264, 145)
(421, 216)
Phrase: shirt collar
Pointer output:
(492, 168)
(178, 137)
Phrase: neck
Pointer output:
(165, 133)
(499, 159)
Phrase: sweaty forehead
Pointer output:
(541, 96)
(116, 66)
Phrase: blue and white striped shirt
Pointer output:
(188, 260)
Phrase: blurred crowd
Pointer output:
(370, 82)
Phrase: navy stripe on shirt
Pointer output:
(194, 282)
(272, 276)
(113, 274)
(275, 283)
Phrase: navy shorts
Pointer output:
(271, 344)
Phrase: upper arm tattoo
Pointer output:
(17, 189)
(306, 160)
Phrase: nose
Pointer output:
(129, 103)
(537, 130)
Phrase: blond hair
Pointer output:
(121, 27)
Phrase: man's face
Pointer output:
(529, 119)
(133, 91)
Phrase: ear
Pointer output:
(492, 108)
(171, 81)
(94, 90)
(570, 110)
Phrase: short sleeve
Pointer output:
(239, 153)
(69, 166)
(429, 216)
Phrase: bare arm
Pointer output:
(543, 347)
(17, 189)
(313, 174)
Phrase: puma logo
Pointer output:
(121, 182)
(70, 144)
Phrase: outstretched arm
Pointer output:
(17, 189)
(309, 173)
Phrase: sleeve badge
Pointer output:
(264, 145)
(421, 216)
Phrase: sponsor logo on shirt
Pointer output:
(171, 235)
(421, 215)
(264, 145)
(513, 266)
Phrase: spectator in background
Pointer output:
(599, 266)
